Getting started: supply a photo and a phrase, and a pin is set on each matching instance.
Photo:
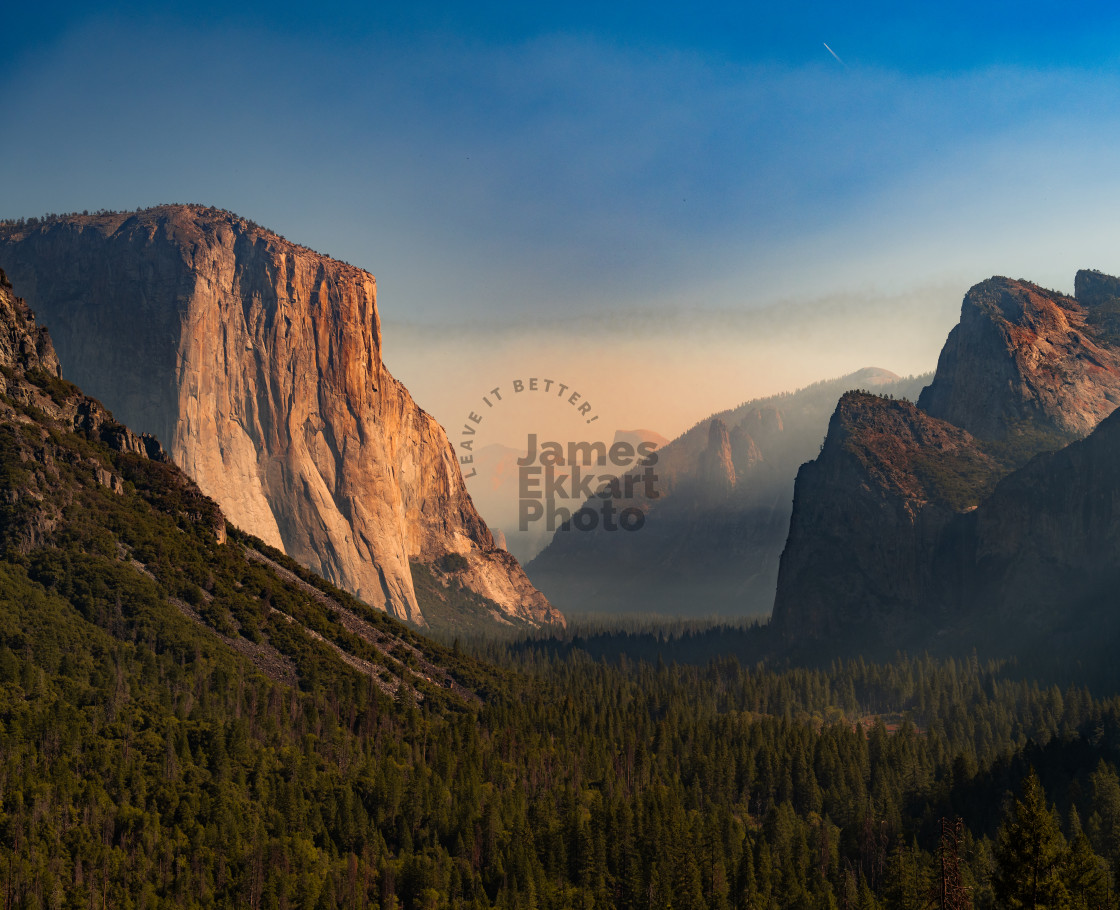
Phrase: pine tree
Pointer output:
(1030, 853)
(1086, 875)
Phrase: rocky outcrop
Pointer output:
(92, 419)
(717, 466)
(499, 538)
(34, 396)
(1025, 356)
(23, 345)
(1097, 291)
(899, 528)
(868, 514)
(259, 363)
(713, 536)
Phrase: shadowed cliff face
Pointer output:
(36, 403)
(1047, 540)
(259, 363)
(868, 513)
(32, 375)
(936, 518)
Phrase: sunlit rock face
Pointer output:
(258, 362)
(1024, 354)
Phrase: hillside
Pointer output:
(190, 719)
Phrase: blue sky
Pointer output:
(925, 38)
(689, 182)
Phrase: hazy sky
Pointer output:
(677, 207)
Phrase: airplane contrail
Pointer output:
(831, 51)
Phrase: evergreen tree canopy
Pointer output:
(1031, 854)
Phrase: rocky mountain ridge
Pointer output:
(258, 363)
(909, 524)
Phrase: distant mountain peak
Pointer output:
(714, 534)
(873, 376)
(634, 437)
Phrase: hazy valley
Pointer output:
(208, 696)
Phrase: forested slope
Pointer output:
(188, 719)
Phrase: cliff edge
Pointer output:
(258, 363)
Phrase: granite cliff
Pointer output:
(1045, 546)
(258, 363)
(869, 512)
(916, 521)
(1024, 356)
(107, 548)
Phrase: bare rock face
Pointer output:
(745, 453)
(1096, 290)
(928, 519)
(868, 514)
(23, 345)
(717, 467)
(1022, 354)
(260, 361)
(765, 424)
